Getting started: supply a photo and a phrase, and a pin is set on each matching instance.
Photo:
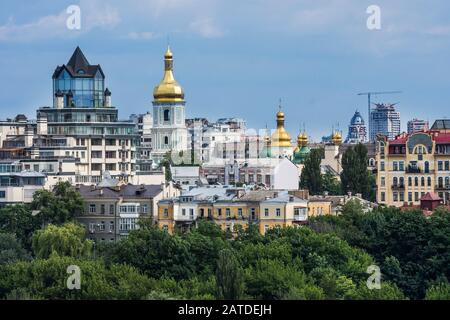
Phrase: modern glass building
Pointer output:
(81, 84)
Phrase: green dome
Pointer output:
(300, 154)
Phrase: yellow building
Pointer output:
(411, 166)
(319, 206)
(232, 208)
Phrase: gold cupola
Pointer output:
(168, 90)
(280, 138)
(336, 138)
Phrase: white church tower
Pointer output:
(169, 131)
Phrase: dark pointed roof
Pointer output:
(78, 66)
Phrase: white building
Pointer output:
(169, 131)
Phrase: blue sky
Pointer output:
(237, 58)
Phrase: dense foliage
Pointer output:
(413, 251)
(328, 259)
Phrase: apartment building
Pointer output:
(113, 209)
(231, 207)
(411, 166)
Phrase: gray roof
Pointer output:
(126, 191)
(76, 63)
(441, 124)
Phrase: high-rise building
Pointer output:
(417, 125)
(384, 120)
(357, 130)
(169, 132)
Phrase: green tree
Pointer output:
(156, 252)
(59, 206)
(311, 177)
(11, 249)
(331, 184)
(355, 176)
(439, 291)
(229, 276)
(166, 163)
(66, 240)
(19, 220)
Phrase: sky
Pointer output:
(238, 58)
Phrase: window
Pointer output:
(219, 212)
(183, 212)
(167, 115)
(92, 208)
(402, 182)
(383, 181)
(266, 227)
(416, 181)
(440, 165)
(429, 181)
(395, 166)
(422, 182)
(410, 197)
(402, 196)
(227, 212)
(96, 166)
(102, 209)
(240, 212)
(395, 181)
(253, 213)
(166, 140)
(111, 209)
(447, 165)
(278, 211)
(144, 208)
(381, 165)
(410, 181)
(300, 212)
(2, 194)
(395, 196)
(111, 226)
(102, 226)
(165, 228)
(383, 197)
(266, 212)
(401, 166)
(191, 213)
(440, 182)
(416, 196)
(166, 213)
(427, 167)
(127, 224)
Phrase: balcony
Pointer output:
(300, 217)
(398, 186)
(442, 187)
(412, 169)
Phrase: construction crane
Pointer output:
(369, 95)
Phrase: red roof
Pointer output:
(439, 137)
(430, 196)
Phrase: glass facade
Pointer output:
(88, 92)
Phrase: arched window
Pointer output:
(447, 182)
(422, 182)
(410, 181)
(166, 140)
(429, 181)
(167, 115)
(440, 182)
(416, 181)
(427, 167)
(402, 182)
(395, 181)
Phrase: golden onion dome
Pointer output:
(168, 90)
(336, 138)
(280, 138)
(302, 139)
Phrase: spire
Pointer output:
(78, 61)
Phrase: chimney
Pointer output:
(41, 123)
(107, 102)
(69, 98)
(291, 198)
(59, 100)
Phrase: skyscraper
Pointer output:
(416, 125)
(384, 120)
(357, 130)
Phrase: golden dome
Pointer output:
(302, 139)
(168, 89)
(336, 138)
(280, 138)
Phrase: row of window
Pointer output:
(125, 224)
(297, 211)
(400, 196)
(122, 209)
(400, 182)
(400, 166)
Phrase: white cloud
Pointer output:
(93, 15)
(144, 35)
(206, 28)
